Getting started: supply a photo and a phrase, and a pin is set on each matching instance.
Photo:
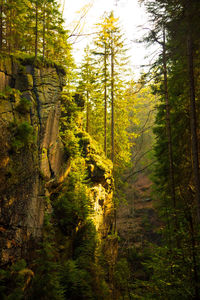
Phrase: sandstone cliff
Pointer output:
(33, 162)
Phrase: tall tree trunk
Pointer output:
(10, 31)
(168, 126)
(36, 28)
(1, 25)
(169, 142)
(44, 31)
(112, 125)
(193, 123)
(87, 113)
(105, 101)
(112, 104)
(194, 256)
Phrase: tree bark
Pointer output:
(105, 101)
(44, 31)
(10, 32)
(194, 257)
(36, 28)
(1, 25)
(112, 104)
(193, 123)
(113, 125)
(87, 113)
(168, 126)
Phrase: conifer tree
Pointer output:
(89, 87)
(111, 47)
(182, 57)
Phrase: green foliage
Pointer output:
(122, 276)
(83, 277)
(24, 106)
(46, 281)
(69, 125)
(66, 265)
(95, 86)
(22, 135)
(173, 267)
(71, 144)
(72, 206)
(13, 281)
(77, 274)
(85, 244)
(77, 282)
(170, 278)
(39, 62)
(10, 93)
(51, 42)
(89, 87)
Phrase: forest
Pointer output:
(99, 171)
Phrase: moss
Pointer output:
(6, 63)
(24, 106)
(10, 93)
(44, 153)
(14, 280)
(88, 145)
(3, 95)
(40, 62)
(24, 81)
(99, 166)
(22, 135)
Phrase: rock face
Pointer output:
(29, 111)
(101, 191)
(32, 157)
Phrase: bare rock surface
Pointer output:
(26, 171)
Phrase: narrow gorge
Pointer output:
(100, 144)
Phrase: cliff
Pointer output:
(32, 152)
(35, 162)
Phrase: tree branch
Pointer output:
(136, 172)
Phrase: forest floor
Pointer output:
(137, 221)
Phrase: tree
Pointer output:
(111, 47)
(180, 65)
(89, 86)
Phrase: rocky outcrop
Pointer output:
(33, 161)
(31, 151)
(102, 186)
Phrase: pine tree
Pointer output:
(180, 64)
(89, 87)
(111, 47)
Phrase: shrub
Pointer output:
(23, 106)
(23, 135)
(71, 208)
(14, 280)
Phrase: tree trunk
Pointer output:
(112, 104)
(105, 102)
(194, 257)
(87, 113)
(36, 28)
(193, 123)
(44, 31)
(168, 126)
(1, 25)
(10, 32)
(112, 125)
